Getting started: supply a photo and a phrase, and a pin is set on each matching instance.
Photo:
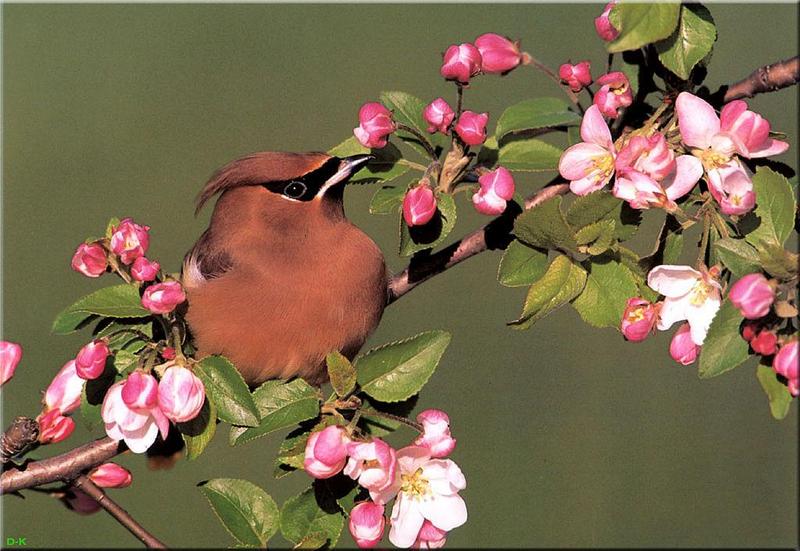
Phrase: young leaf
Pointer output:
(609, 285)
(387, 200)
(394, 372)
(521, 265)
(530, 155)
(226, 388)
(246, 511)
(198, 432)
(739, 257)
(119, 301)
(383, 168)
(302, 516)
(724, 348)
(433, 233)
(777, 393)
(534, 114)
(690, 43)
(642, 23)
(775, 207)
(595, 239)
(341, 373)
(545, 226)
(563, 282)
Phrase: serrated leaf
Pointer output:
(314, 540)
(227, 389)
(724, 348)
(341, 373)
(302, 515)
(396, 371)
(608, 287)
(775, 208)
(692, 40)
(780, 399)
(126, 337)
(738, 256)
(378, 426)
(529, 155)
(246, 511)
(199, 432)
(383, 168)
(291, 453)
(640, 24)
(631, 260)
(387, 200)
(562, 282)
(545, 226)
(534, 114)
(119, 301)
(776, 260)
(280, 405)
(595, 239)
(521, 265)
(433, 233)
(407, 109)
(591, 208)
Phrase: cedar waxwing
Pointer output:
(281, 278)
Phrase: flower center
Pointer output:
(414, 484)
(712, 159)
(601, 168)
(700, 293)
(636, 314)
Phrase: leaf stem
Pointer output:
(412, 164)
(423, 140)
(701, 256)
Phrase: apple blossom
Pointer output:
(461, 62)
(430, 537)
(129, 240)
(110, 475)
(54, 427)
(91, 359)
(367, 524)
(498, 53)
(603, 26)
(162, 298)
(374, 464)
(639, 319)
(10, 355)
(764, 343)
(180, 394)
(439, 115)
(326, 452)
(419, 205)
(614, 94)
(143, 269)
(374, 125)
(785, 361)
(90, 260)
(436, 433)
(64, 391)
(576, 76)
(752, 295)
(138, 427)
(589, 165)
(140, 391)
(471, 127)
(681, 348)
(497, 188)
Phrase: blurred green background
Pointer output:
(568, 435)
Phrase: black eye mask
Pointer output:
(306, 187)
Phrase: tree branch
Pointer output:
(764, 79)
(18, 437)
(122, 516)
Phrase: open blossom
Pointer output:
(138, 427)
(603, 26)
(639, 319)
(461, 62)
(497, 188)
(90, 260)
(91, 359)
(589, 165)
(111, 475)
(367, 524)
(419, 205)
(752, 295)
(614, 93)
(10, 355)
(436, 433)
(140, 391)
(576, 76)
(64, 392)
(682, 348)
(471, 127)
(430, 537)
(498, 53)
(428, 491)
(374, 464)
(326, 452)
(374, 125)
(180, 394)
(689, 295)
(438, 114)
(54, 427)
(162, 298)
(143, 269)
(130, 240)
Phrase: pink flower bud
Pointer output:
(430, 537)
(64, 392)
(138, 427)
(54, 427)
(603, 26)
(498, 53)
(129, 240)
(749, 330)
(765, 343)
(375, 124)
(419, 205)
(436, 433)
(144, 270)
(752, 295)
(785, 361)
(326, 452)
(438, 114)
(576, 76)
(682, 349)
(162, 298)
(10, 355)
(649, 155)
(471, 127)
(80, 502)
(639, 319)
(374, 464)
(366, 524)
(461, 62)
(794, 387)
(614, 94)
(91, 359)
(497, 188)
(140, 391)
(90, 260)
(168, 353)
(180, 394)
(110, 475)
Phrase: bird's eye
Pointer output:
(295, 190)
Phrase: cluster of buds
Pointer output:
(423, 484)
(489, 54)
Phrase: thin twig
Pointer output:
(768, 78)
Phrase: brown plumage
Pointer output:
(281, 277)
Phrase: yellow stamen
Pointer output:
(711, 159)
(414, 484)
(601, 168)
(700, 293)
(636, 315)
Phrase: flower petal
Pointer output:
(406, 521)
(700, 317)
(770, 147)
(672, 310)
(578, 161)
(141, 439)
(697, 120)
(445, 512)
(688, 170)
(672, 281)
(595, 130)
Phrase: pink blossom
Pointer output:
(54, 427)
(430, 537)
(64, 392)
(589, 165)
(764, 343)
(326, 452)
(91, 359)
(639, 319)
(461, 62)
(731, 185)
(749, 131)
(419, 205)
(374, 464)
(471, 127)
(793, 386)
(436, 433)
(162, 298)
(649, 155)
(374, 125)
(785, 361)
(497, 187)
(10, 355)
(603, 26)
(498, 53)
(138, 427)
(682, 348)
(367, 524)
(752, 295)
(129, 240)
(140, 391)
(90, 260)
(439, 115)
(180, 394)
(143, 269)
(576, 76)
(614, 94)
(110, 475)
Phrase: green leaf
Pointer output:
(724, 348)
(199, 432)
(124, 361)
(690, 43)
(119, 301)
(112, 223)
(775, 207)
(291, 453)
(545, 226)
(529, 155)
(609, 285)
(341, 373)
(378, 426)
(387, 200)
(313, 540)
(302, 516)
(777, 261)
(226, 388)
(125, 337)
(433, 233)
(246, 511)
(383, 168)
(407, 109)
(344, 490)
(595, 239)
(739, 257)
(591, 208)
(563, 281)
(777, 393)
(640, 24)
(534, 114)
(280, 405)
(521, 265)
(489, 152)
(395, 371)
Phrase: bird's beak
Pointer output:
(347, 167)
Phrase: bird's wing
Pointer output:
(205, 261)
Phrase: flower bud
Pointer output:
(498, 53)
(430, 537)
(374, 125)
(91, 359)
(749, 330)
(765, 343)
(497, 187)
(438, 114)
(162, 298)
(10, 355)
(436, 433)
(110, 475)
(90, 260)
(614, 94)
(140, 391)
(130, 240)
(144, 270)
(785, 361)
(367, 524)
(180, 394)
(461, 62)
(54, 427)
(419, 205)
(64, 392)
(752, 295)
(794, 387)
(603, 26)
(639, 319)
(682, 349)
(471, 127)
(326, 452)
(650, 156)
(576, 76)
(168, 353)
(80, 502)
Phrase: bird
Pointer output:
(281, 277)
